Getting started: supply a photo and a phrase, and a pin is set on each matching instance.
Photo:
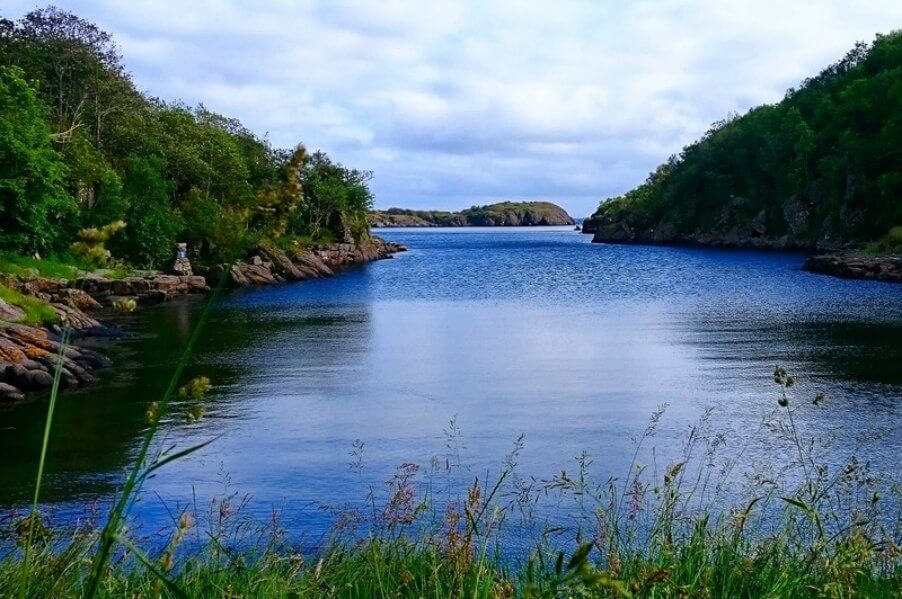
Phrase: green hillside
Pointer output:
(823, 167)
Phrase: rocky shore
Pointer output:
(752, 234)
(266, 266)
(857, 265)
(29, 354)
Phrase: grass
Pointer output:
(803, 529)
(891, 243)
(63, 267)
(36, 311)
(28, 267)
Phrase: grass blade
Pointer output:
(132, 482)
(54, 393)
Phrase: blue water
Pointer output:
(503, 331)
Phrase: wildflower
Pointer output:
(672, 472)
(194, 413)
(196, 388)
(151, 413)
(779, 375)
(125, 305)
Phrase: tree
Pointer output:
(34, 205)
(150, 236)
(336, 199)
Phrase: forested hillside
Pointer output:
(823, 167)
(82, 148)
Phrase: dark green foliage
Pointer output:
(93, 150)
(336, 199)
(822, 165)
(152, 224)
(33, 202)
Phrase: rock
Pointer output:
(269, 265)
(856, 265)
(78, 299)
(39, 378)
(181, 266)
(196, 284)
(10, 393)
(10, 312)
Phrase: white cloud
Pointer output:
(460, 102)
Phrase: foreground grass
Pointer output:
(702, 565)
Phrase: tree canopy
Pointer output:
(821, 165)
(81, 147)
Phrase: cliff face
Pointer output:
(503, 214)
(737, 223)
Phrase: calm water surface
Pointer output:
(507, 331)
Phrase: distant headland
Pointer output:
(502, 214)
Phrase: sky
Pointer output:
(465, 102)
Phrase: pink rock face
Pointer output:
(10, 312)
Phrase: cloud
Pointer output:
(462, 102)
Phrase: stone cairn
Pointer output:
(182, 266)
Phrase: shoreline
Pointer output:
(29, 353)
(836, 262)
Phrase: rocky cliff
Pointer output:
(737, 223)
(503, 214)
(272, 265)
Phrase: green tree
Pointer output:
(150, 236)
(34, 205)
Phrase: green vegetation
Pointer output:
(81, 148)
(499, 214)
(36, 311)
(891, 243)
(822, 165)
(29, 267)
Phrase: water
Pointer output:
(506, 331)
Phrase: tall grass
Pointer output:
(802, 529)
(33, 523)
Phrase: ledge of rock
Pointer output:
(28, 359)
(28, 354)
(856, 265)
(266, 266)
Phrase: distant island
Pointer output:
(502, 214)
